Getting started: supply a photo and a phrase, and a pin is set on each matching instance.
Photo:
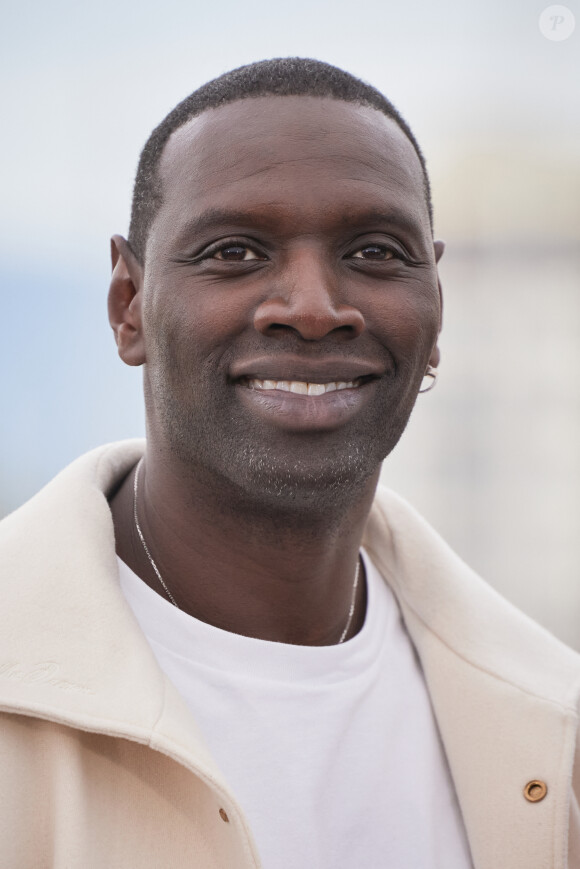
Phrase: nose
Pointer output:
(305, 300)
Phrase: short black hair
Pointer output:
(286, 76)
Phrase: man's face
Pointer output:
(290, 297)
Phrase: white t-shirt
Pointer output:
(332, 751)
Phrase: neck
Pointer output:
(282, 575)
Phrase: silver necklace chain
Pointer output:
(352, 602)
(142, 539)
(168, 593)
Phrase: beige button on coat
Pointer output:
(102, 764)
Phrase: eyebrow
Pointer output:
(393, 217)
(223, 217)
(215, 217)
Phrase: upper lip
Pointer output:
(296, 368)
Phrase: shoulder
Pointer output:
(441, 596)
(90, 478)
(67, 516)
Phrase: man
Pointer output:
(225, 649)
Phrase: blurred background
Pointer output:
(492, 456)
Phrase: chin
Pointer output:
(304, 490)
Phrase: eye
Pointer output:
(234, 253)
(378, 252)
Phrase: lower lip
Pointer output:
(294, 411)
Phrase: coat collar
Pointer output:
(73, 651)
(504, 691)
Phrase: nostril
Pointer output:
(308, 317)
(347, 331)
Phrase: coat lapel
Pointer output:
(504, 692)
(74, 653)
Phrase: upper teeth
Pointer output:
(302, 387)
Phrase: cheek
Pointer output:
(406, 322)
(189, 330)
(218, 317)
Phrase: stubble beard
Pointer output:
(296, 482)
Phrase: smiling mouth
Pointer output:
(301, 387)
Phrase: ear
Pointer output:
(435, 358)
(124, 303)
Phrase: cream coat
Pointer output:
(102, 764)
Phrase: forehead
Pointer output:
(291, 154)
